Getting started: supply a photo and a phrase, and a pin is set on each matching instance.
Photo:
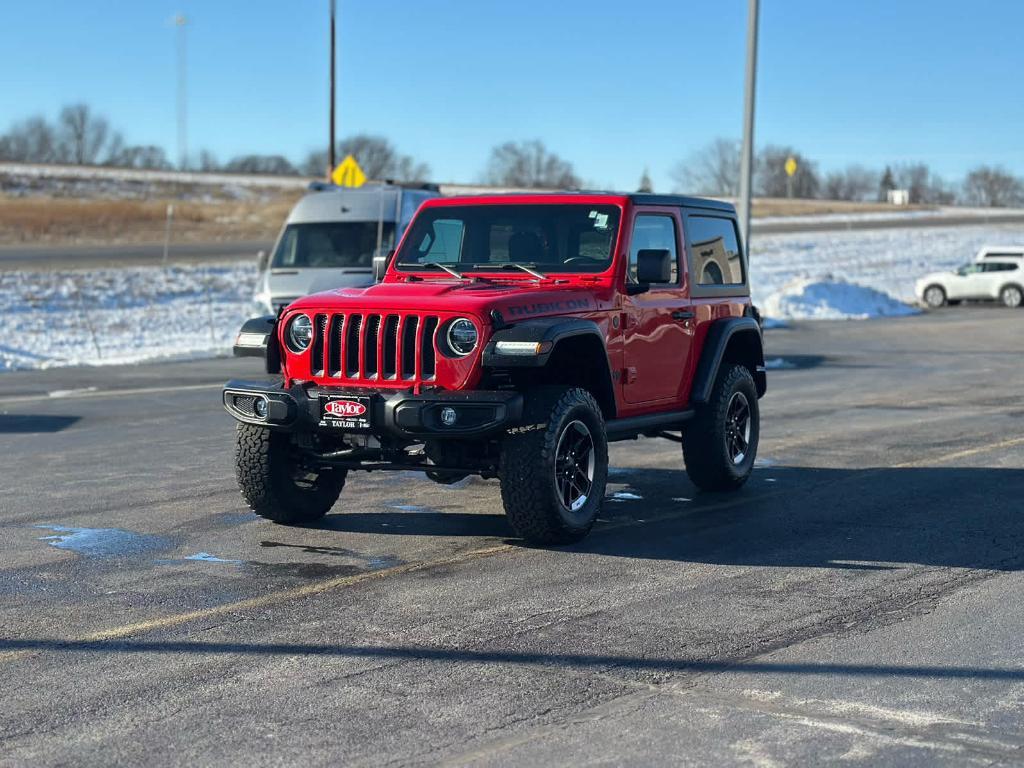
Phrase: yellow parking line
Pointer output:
(271, 598)
(961, 454)
(308, 590)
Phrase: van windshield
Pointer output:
(331, 244)
(550, 238)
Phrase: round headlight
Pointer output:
(300, 333)
(462, 336)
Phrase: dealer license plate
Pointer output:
(345, 412)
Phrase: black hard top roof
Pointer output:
(644, 198)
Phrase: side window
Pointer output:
(653, 231)
(714, 251)
(1000, 266)
(443, 243)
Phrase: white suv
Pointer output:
(996, 274)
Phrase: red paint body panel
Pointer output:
(647, 344)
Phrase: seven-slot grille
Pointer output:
(375, 347)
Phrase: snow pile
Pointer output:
(110, 316)
(829, 299)
(888, 261)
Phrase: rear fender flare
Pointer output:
(716, 345)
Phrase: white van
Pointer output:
(330, 238)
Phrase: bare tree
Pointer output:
(922, 185)
(30, 141)
(269, 164)
(646, 185)
(772, 179)
(208, 161)
(377, 156)
(83, 136)
(993, 186)
(147, 156)
(529, 164)
(854, 183)
(886, 185)
(713, 170)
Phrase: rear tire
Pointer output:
(1011, 296)
(934, 296)
(720, 442)
(274, 483)
(554, 470)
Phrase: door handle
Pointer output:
(682, 314)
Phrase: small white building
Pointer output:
(898, 196)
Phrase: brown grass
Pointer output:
(781, 206)
(68, 221)
(60, 221)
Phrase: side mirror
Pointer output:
(380, 266)
(653, 265)
(262, 260)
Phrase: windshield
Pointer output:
(546, 238)
(331, 244)
(968, 269)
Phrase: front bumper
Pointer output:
(396, 414)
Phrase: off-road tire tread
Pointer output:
(525, 458)
(265, 494)
(708, 469)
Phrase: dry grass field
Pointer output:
(50, 220)
(91, 221)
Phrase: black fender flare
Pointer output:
(258, 338)
(547, 331)
(716, 342)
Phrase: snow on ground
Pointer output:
(895, 214)
(126, 315)
(110, 316)
(832, 300)
(820, 275)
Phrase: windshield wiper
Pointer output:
(449, 270)
(527, 268)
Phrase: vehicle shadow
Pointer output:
(861, 519)
(30, 423)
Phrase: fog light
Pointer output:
(449, 416)
(260, 407)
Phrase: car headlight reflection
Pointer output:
(300, 333)
(462, 336)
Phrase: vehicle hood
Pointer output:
(515, 300)
(932, 276)
(302, 282)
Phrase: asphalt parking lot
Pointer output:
(858, 600)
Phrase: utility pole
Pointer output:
(330, 138)
(179, 22)
(747, 153)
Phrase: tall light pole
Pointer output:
(330, 136)
(747, 152)
(179, 22)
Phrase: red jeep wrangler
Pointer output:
(513, 336)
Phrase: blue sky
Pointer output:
(612, 87)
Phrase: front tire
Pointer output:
(275, 484)
(1011, 296)
(720, 443)
(554, 469)
(934, 296)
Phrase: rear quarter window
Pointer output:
(713, 251)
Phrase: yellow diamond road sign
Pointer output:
(348, 173)
(790, 166)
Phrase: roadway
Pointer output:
(858, 600)
(143, 254)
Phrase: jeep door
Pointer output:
(657, 332)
